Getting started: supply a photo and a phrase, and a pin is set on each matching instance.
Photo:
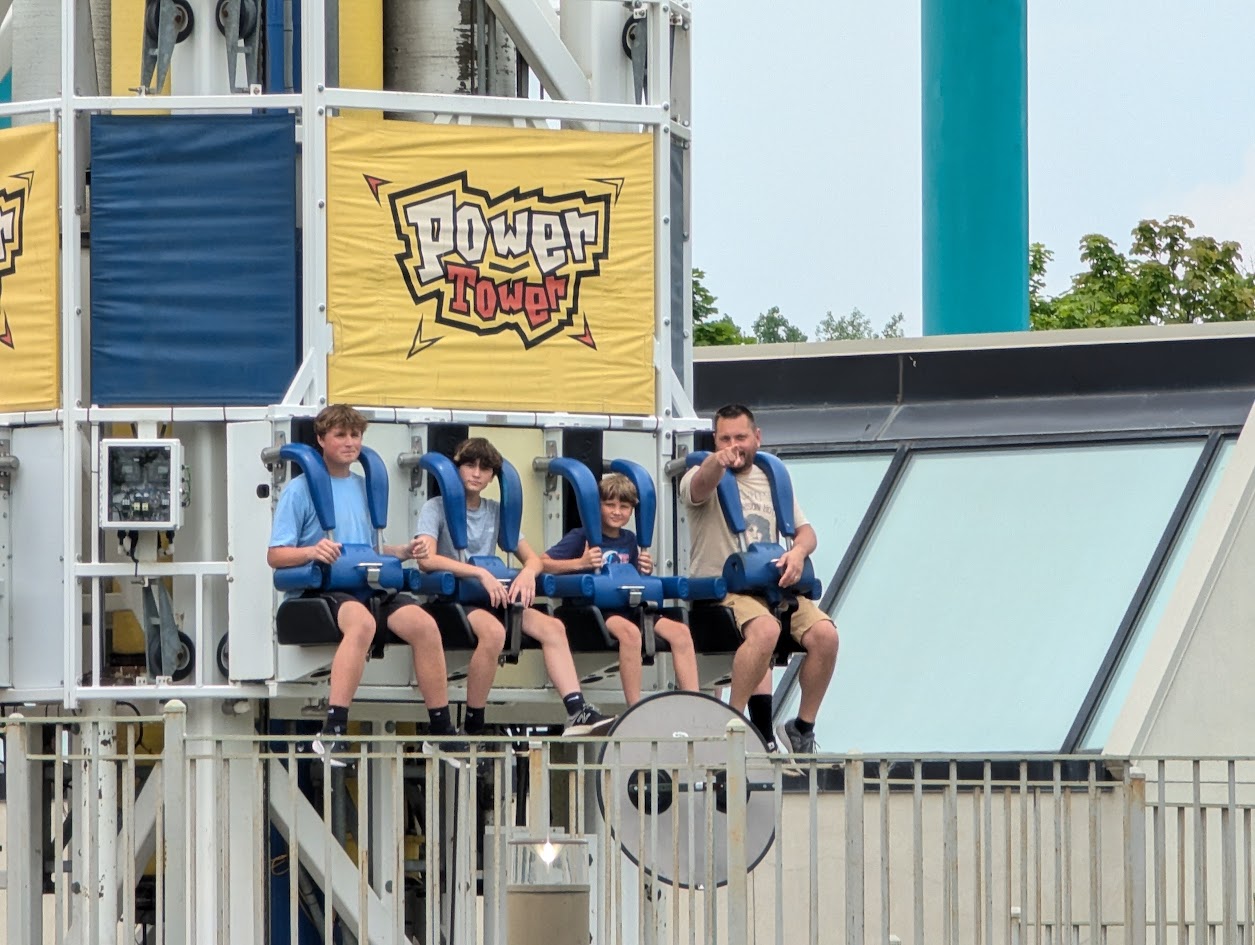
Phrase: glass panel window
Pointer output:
(986, 597)
(834, 492)
(1118, 689)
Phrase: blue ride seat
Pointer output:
(618, 586)
(753, 570)
(361, 570)
(449, 601)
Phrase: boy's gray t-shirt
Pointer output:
(481, 527)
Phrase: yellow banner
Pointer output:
(490, 268)
(30, 350)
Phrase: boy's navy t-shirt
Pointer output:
(621, 549)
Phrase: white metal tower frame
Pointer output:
(574, 60)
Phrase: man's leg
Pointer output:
(418, 628)
(629, 636)
(683, 656)
(821, 642)
(753, 659)
(759, 710)
(489, 642)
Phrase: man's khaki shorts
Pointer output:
(745, 608)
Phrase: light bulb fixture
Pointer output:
(547, 852)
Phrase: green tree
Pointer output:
(856, 326)
(704, 306)
(1169, 276)
(1039, 306)
(722, 331)
(772, 327)
(707, 328)
(893, 327)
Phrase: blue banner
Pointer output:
(194, 263)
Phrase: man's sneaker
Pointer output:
(332, 749)
(795, 741)
(588, 721)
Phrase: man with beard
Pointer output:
(737, 439)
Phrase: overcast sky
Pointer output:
(806, 155)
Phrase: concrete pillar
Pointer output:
(446, 47)
(975, 158)
(36, 38)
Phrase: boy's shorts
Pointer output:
(745, 608)
(335, 598)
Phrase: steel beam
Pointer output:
(533, 26)
(324, 859)
(24, 840)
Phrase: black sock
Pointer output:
(337, 718)
(474, 719)
(574, 702)
(759, 710)
(804, 727)
(439, 722)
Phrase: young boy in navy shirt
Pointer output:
(574, 553)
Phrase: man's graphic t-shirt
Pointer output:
(711, 541)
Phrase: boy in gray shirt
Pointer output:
(478, 463)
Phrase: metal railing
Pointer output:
(169, 829)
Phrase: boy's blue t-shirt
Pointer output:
(621, 549)
(481, 527)
(296, 523)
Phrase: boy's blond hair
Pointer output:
(338, 415)
(618, 487)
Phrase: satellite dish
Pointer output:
(669, 809)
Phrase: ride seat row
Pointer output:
(581, 599)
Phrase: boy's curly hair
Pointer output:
(339, 415)
(478, 450)
(618, 487)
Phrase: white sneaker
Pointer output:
(331, 749)
(447, 752)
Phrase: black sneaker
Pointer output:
(331, 747)
(798, 744)
(588, 721)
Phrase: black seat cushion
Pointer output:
(306, 621)
(714, 631)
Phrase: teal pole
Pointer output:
(974, 68)
(6, 94)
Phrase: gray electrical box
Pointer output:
(139, 484)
